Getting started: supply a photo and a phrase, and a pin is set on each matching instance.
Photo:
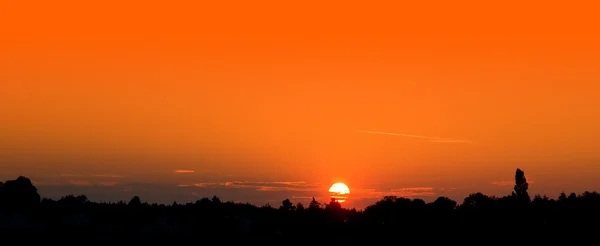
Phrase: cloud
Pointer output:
(449, 141)
(108, 176)
(503, 183)
(205, 185)
(83, 182)
(184, 171)
(410, 192)
(361, 198)
(414, 192)
(508, 182)
(108, 183)
(254, 192)
(201, 185)
(304, 190)
(114, 187)
(70, 175)
(274, 188)
(47, 183)
(79, 182)
(414, 189)
(447, 189)
(260, 185)
(302, 197)
(430, 139)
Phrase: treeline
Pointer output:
(23, 212)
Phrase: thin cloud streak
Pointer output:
(71, 175)
(109, 176)
(300, 186)
(431, 139)
(415, 189)
(399, 134)
(185, 171)
(83, 182)
(450, 141)
(508, 182)
(79, 182)
(410, 192)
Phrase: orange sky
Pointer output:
(273, 91)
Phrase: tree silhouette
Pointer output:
(477, 200)
(216, 200)
(479, 214)
(444, 203)
(135, 201)
(314, 204)
(562, 196)
(521, 186)
(204, 202)
(287, 205)
(19, 194)
(82, 199)
(334, 204)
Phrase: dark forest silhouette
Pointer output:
(512, 218)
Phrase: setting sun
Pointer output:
(339, 192)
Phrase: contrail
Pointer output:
(450, 141)
(400, 134)
(431, 139)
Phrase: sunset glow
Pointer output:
(266, 100)
(339, 192)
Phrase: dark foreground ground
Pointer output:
(479, 219)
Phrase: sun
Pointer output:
(339, 192)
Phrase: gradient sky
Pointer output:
(271, 100)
